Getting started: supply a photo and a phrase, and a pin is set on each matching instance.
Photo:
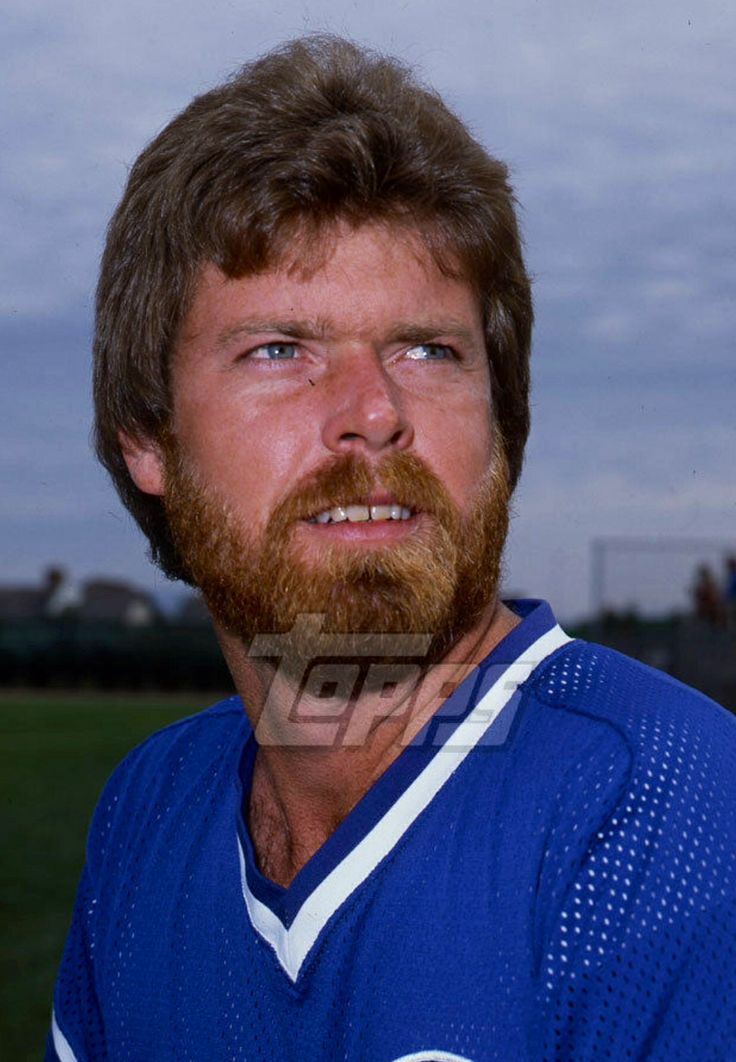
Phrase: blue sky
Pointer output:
(618, 123)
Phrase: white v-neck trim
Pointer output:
(293, 945)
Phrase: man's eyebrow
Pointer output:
(255, 326)
(402, 332)
(427, 331)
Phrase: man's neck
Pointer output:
(326, 733)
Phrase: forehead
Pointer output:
(307, 250)
(356, 281)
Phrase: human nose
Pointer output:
(365, 409)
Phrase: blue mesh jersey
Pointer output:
(547, 872)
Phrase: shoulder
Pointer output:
(168, 771)
(639, 875)
(190, 743)
(654, 716)
(615, 734)
(674, 750)
(644, 809)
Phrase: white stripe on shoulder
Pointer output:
(294, 944)
(433, 1056)
(61, 1044)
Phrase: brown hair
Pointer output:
(314, 132)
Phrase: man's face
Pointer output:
(303, 396)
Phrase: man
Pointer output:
(431, 826)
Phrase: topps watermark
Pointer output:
(345, 684)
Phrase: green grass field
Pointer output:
(56, 752)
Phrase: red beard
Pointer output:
(436, 582)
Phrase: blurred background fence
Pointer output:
(69, 653)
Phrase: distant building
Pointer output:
(112, 601)
(96, 600)
(64, 596)
(21, 603)
(54, 597)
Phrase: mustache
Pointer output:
(351, 480)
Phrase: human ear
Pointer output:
(145, 462)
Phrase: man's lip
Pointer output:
(385, 499)
(373, 499)
(376, 532)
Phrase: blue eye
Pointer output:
(429, 352)
(275, 352)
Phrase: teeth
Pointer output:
(357, 513)
(360, 513)
(380, 512)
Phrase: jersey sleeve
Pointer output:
(655, 993)
(77, 1033)
(639, 955)
(77, 1028)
